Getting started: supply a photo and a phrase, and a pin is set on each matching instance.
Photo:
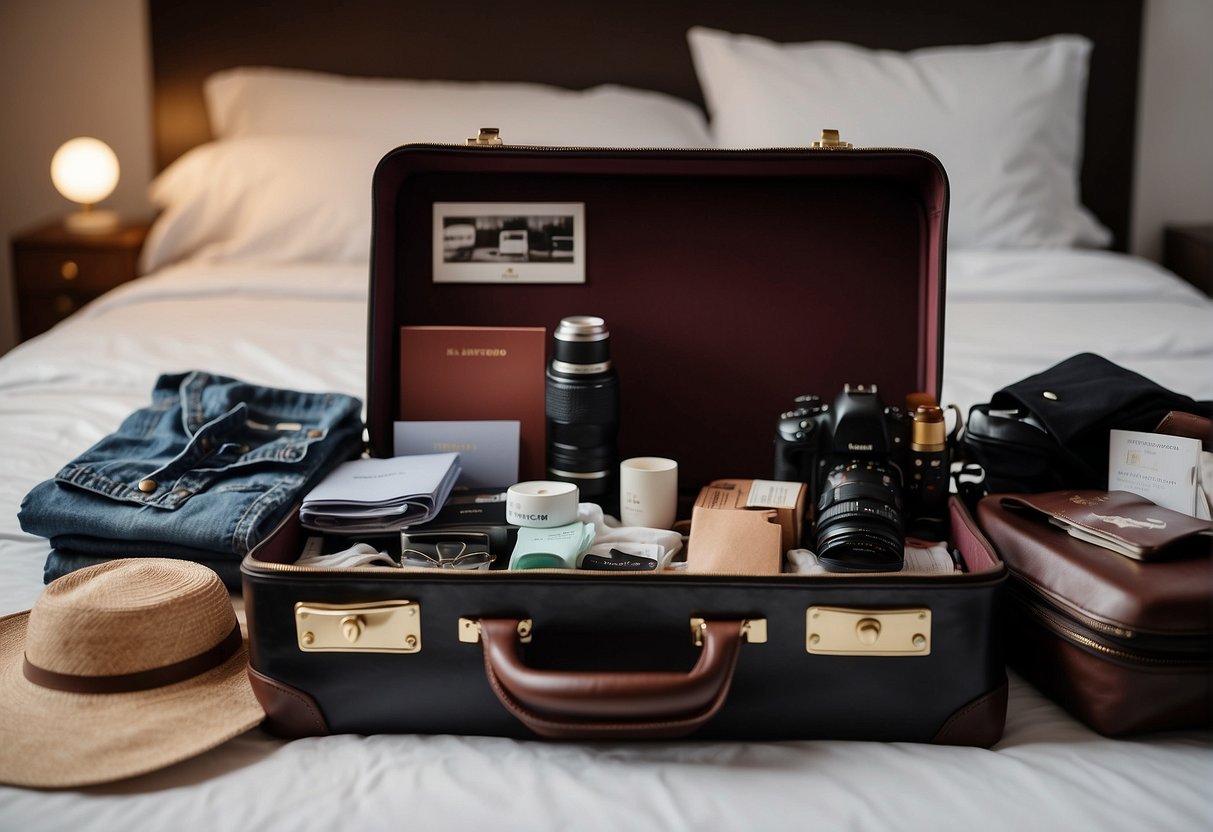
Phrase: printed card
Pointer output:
(1159, 467)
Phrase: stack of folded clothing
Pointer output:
(203, 473)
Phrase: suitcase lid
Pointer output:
(731, 281)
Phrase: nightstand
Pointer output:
(55, 272)
(1188, 251)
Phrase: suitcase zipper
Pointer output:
(1035, 598)
(1070, 626)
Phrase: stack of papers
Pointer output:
(381, 495)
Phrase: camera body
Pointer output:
(815, 436)
(852, 456)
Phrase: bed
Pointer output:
(232, 290)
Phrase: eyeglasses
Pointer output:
(446, 553)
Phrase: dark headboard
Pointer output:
(576, 44)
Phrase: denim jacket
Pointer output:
(211, 466)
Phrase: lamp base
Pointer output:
(91, 222)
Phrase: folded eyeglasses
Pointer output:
(446, 551)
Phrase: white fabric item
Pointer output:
(260, 101)
(609, 533)
(1005, 120)
(928, 559)
(359, 554)
(303, 326)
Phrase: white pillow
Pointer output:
(1005, 120)
(262, 101)
(290, 177)
(272, 199)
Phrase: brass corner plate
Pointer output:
(839, 631)
(376, 627)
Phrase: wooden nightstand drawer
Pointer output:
(1188, 251)
(81, 271)
(55, 272)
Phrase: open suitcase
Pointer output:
(732, 281)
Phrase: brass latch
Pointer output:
(835, 631)
(379, 627)
(469, 630)
(753, 630)
(487, 136)
(830, 140)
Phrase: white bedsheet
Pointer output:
(1013, 313)
(304, 326)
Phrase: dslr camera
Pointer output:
(852, 455)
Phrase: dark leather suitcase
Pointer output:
(1125, 645)
(732, 281)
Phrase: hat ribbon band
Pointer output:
(154, 677)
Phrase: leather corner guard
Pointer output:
(979, 723)
(289, 713)
(580, 705)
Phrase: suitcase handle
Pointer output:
(590, 705)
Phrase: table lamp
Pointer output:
(85, 170)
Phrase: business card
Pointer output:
(1159, 467)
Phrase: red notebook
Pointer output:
(452, 373)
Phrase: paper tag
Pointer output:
(1159, 467)
(773, 494)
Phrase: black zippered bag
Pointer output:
(1050, 431)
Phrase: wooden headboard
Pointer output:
(577, 44)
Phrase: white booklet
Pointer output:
(381, 495)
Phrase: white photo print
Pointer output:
(509, 242)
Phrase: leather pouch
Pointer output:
(1122, 644)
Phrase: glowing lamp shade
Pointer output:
(85, 170)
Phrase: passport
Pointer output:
(1120, 521)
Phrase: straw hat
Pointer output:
(120, 669)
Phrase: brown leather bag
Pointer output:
(1124, 645)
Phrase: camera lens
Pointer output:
(859, 523)
(582, 408)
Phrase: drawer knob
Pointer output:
(70, 270)
(64, 304)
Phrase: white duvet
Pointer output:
(1008, 315)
